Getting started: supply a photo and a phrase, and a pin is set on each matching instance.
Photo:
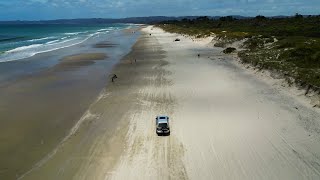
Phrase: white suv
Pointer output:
(162, 125)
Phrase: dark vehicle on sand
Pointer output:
(162, 125)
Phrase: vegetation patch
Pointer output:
(229, 50)
(290, 46)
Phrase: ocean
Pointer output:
(22, 45)
(23, 41)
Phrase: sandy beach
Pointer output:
(226, 122)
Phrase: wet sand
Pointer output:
(78, 60)
(95, 144)
(39, 108)
(84, 57)
(104, 44)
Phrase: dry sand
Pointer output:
(225, 122)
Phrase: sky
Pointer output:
(68, 9)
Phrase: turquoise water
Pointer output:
(23, 41)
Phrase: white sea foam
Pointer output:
(41, 39)
(24, 48)
(31, 50)
(54, 41)
(64, 37)
(76, 33)
(32, 47)
(105, 30)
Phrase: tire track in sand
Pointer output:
(148, 156)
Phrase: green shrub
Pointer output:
(229, 50)
(296, 53)
(253, 43)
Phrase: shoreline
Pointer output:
(112, 111)
(226, 123)
(51, 41)
(39, 108)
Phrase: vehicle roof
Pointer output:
(162, 120)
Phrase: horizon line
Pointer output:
(83, 18)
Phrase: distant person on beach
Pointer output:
(198, 55)
(114, 77)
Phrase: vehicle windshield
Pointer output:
(163, 125)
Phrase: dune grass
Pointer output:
(288, 45)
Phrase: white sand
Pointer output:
(226, 123)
